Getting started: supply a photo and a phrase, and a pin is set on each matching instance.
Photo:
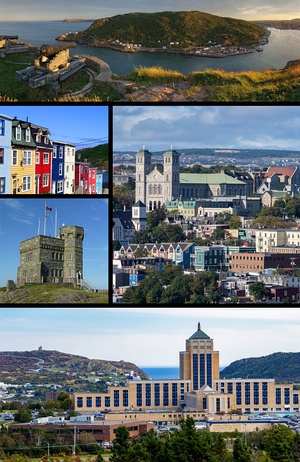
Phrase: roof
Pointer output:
(199, 334)
(208, 178)
(289, 171)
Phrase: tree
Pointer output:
(257, 290)
(141, 237)
(64, 400)
(23, 415)
(235, 222)
(240, 453)
(279, 443)
(120, 447)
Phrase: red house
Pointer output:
(82, 177)
(43, 159)
(92, 180)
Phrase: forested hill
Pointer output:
(158, 30)
(97, 156)
(283, 367)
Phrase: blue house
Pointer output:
(102, 182)
(5, 149)
(184, 252)
(58, 167)
(211, 258)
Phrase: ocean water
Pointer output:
(162, 373)
(283, 46)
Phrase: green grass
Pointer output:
(54, 293)
(13, 90)
(155, 75)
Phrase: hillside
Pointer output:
(184, 28)
(283, 367)
(22, 361)
(97, 156)
(51, 293)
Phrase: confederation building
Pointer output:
(199, 389)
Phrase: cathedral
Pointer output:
(154, 187)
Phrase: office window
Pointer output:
(107, 401)
(156, 394)
(125, 398)
(89, 401)
(139, 394)
(98, 401)
(116, 398)
(79, 401)
(166, 394)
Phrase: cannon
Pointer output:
(51, 50)
(9, 37)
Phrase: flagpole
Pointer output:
(45, 219)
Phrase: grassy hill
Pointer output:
(97, 156)
(51, 293)
(283, 367)
(189, 28)
(19, 362)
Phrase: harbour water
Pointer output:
(283, 46)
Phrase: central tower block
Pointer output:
(72, 237)
(199, 362)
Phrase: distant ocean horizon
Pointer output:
(164, 372)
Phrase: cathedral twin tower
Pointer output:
(154, 187)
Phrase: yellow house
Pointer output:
(22, 159)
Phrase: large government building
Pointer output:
(199, 389)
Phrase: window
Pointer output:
(2, 127)
(79, 401)
(59, 186)
(70, 257)
(26, 159)
(60, 152)
(2, 185)
(26, 183)
(46, 180)
(1, 156)
(98, 401)
(107, 401)
(18, 133)
(46, 157)
(15, 157)
(27, 135)
(60, 169)
(89, 401)
(37, 158)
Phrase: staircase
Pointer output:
(87, 286)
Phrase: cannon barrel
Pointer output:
(49, 50)
(9, 37)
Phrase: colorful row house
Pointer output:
(30, 163)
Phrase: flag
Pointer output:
(49, 208)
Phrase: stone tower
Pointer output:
(171, 175)
(143, 168)
(72, 237)
(199, 362)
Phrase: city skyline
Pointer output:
(182, 127)
(150, 337)
(20, 217)
(83, 126)
(55, 10)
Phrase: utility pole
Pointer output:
(74, 442)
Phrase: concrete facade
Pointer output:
(52, 259)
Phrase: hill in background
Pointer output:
(283, 367)
(184, 28)
(97, 156)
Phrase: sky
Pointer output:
(150, 336)
(94, 9)
(19, 220)
(84, 126)
(231, 127)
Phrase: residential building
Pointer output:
(58, 167)
(69, 168)
(211, 258)
(23, 149)
(268, 240)
(92, 180)
(5, 153)
(82, 177)
(102, 182)
(43, 159)
(123, 227)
